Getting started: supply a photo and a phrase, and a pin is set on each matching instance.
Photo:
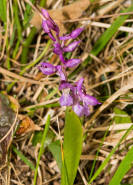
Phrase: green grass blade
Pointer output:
(23, 158)
(3, 10)
(42, 147)
(109, 156)
(26, 44)
(27, 14)
(17, 20)
(72, 147)
(123, 168)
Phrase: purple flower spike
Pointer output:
(71, 47)
(72, 62)
(47, 68)
(72, 94)
(73, 35)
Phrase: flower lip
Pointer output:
(66, 99)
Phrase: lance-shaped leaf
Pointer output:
(73, 137)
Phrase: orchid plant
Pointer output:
(72, 94)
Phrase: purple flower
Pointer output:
(72, 62)
(66, 99)
(48, 25)
(71, 47)
(81, 110)
(76, 97)
(47, 68)
(73, 35)
(87, 99)
(61, 72)
(72, 94)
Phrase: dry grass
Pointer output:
(108, 77)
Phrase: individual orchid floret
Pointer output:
(81, 110)
(71, 47)
(87, 99)
(67, 96)
(73, 35)
(58, 49)
(76, 97)
(48, 25)
(61, 72)
(66, 99)
(47, 68)
(72, 62)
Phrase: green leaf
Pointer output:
(73, 137)
(121, 116)
(123, 168)
(55, 149)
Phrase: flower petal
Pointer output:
(71, 47)
(78, 109)
(65, 85)
(86, 110)
(90, 100)
(61, 72)
(47, 68)
(45, 26)
(49, 21)
(57, 48)
(62, 58)
(65, 37)
(87, 99)
(51, 36)
(66, 99)
(45, 13)
(72, 62)
(74, 34)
